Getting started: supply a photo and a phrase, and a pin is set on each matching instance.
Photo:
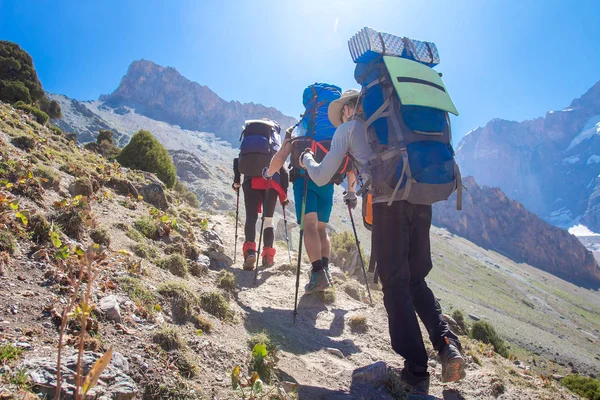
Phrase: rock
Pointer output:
(218, 260)
(336, 352)
(213, 240)
(23, 345)
(81, 187)
(432, 363)
(114, 383)
(155, 195)
(558, 377)
(109, 306)
(474, 317)
(203, 260)
(122, 187)
(5, 369)
(375, 374)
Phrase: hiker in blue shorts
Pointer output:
(319, 202)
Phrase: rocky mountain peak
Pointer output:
(162, 93)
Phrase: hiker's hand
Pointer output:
(285, 203)
(236, 186)
(265, 174)
(351, 200)
(305, 152)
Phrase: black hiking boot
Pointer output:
(416, 384)
(453, 363)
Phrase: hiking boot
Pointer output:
(416, 384)
(318, 282)
(328, 274)
(268, 256)
(453, 363)
(249, 256)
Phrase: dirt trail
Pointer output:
(320, 352)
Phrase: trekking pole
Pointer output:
(300, 246)
(237, 213)
(362, 262)
(287, 239)
(262, 225)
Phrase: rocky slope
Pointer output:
(163, 94)
(179, 329)
(550, 164)
(493, 221)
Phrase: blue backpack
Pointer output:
(314, 130)
(406, 108)
(260, 141)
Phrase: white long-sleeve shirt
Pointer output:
(349, 138)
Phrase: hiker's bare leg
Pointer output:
(324, 239)
(312, 239)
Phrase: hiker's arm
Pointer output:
(279, 158)
(285, 179)
(351, 181)
(322, 173)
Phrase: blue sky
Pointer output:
(507, 59)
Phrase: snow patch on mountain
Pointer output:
(582, 231)
(594, 159)
(570, 160)
(591, 128)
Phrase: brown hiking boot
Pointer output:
(453, 363)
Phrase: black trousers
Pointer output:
(401, 232)
(252, 198)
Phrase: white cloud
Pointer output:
(336, 24)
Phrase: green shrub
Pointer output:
(144, 152)
(217, 305)
(100, 236)
(137, 292)
(327, 296)
(184, 302)
(583, 386)
(14, 91)
(144, 251)
(8, 352)
(202, 323)
(176, 264)
(50, 107)
(24, 142)
(147, 227)
(39, 228)
(7, 243)
(186, 194)
(262, 337)
(227, 281)
(40, 116)
(483, 331)
(358, 323)
(16, 65)
(56, 130)
(458, 316)
(168, 338)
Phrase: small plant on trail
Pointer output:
(227, 281)
(7, 242)
(82, 269)
(9, 352)
(168, 338)
(583, 386)
(40, 229)
(147, 227)
(184, 303)
(483, 331)
(73, 216)
(100, 236)
(327, 296)
(24, 142)
(217, 305)
(176, 264)
(185, 364)
(145, 251)
(358, 323)
(458, 316)
(138, 293)
(50, 178)
(197, 269)
(202, 323)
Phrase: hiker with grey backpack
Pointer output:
(260, 141)
(397, 131)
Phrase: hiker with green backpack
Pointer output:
(397, 131)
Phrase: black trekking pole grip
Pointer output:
(362, 262)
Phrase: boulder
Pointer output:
(154, 194)
(122, 187)
(376, 374)
(213, 240)
(114, 383)
(109, 306)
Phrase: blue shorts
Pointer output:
(319, 199)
